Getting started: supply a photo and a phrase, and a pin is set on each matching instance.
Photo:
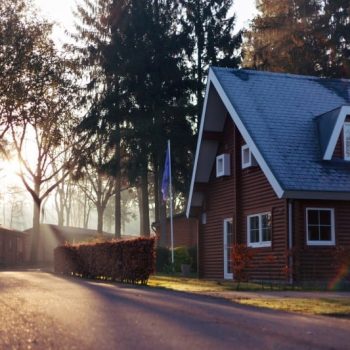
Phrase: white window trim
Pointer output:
(346, 125)
(249, 163)
(226, 274)
(224, 160)
(321, 243)
(260, 244)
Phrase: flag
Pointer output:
(166, 176)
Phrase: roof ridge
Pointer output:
(279, 74)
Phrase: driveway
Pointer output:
(42, 311)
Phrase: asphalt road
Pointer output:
(43, 311)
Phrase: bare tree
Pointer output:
(98, 186)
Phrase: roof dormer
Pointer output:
(334, 133)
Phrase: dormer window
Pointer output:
(347, 141)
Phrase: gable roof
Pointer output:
(289, 122)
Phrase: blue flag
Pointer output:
(166, 176)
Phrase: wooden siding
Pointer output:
(185, 232)
(245, 192)
(219, 200)
(319, 262)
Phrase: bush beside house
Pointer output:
(130, 261)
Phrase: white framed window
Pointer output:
(223, 165)
(228, 242)
(246, 156)
(320, 226)
(346, 141)
(259, 230)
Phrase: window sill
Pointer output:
(320, 243)
(260, 245)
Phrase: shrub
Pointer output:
(181, 256)
(130, 261)
(163, 258)
(241, 258)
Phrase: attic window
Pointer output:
(246, 157)
(347, 141)
(223, 165)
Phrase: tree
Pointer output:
(20, 37)
(92, 37)
(283, 37)
(211, 30)
(46, 121)
(98, 185)
(148, 48)
(334, 26)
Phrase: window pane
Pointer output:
(254, 223)
(246, 156)
(229, 227)
(325, 233)
(254, 236)
(325, 217)
(266, 234)
(266, 221)
(313, 233)
(312, 217)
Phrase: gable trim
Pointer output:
(213, 81)
(344, 111)
(199, 141)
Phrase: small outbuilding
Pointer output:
(12, 247)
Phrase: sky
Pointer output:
(60, 11)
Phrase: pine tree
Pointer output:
(283, 37)
(211, 30)
(147, 50)
(334, 25)
(101, 97)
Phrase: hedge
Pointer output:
(129, 261)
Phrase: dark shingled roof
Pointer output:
(280, 113)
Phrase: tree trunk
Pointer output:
(117, 208)
(100, 211)
(144, 206)
(36, 224)
(160, 206)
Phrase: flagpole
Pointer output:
(171, 207)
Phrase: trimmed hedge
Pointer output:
(129, 261)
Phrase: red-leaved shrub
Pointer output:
(130, 261)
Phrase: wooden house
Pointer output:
(272, 171)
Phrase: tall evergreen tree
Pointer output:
(147, 51)
(211, 30)
(334, 26)
(282, 37)
(101, 96)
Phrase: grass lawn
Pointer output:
(331, 306)
(338, 307)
